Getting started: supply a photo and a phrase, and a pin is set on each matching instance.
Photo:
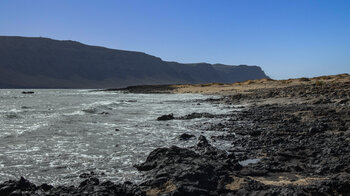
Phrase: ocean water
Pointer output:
(53, 136)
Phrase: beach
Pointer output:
(287, 137)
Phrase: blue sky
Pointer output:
(287, 38)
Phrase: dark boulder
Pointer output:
(45, 187)
(27, 92)
(186, 136)
(91, 186)
(199, 170)
(12, 186)
(203, 142)
(196, 115)
(166, 117)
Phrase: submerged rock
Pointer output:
(186, 136)
(27, 92)
(196, 115)
(166, 117)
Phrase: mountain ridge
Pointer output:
(36, 62)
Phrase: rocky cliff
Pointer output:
(46, 63)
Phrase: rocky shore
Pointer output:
(288, 139)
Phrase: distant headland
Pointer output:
(46, 63)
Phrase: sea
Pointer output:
(53, 136)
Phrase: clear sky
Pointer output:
(287, 38)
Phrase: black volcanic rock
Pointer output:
(46, 63)
(90, 186)
(200, 170)
(196, 115)
(186, 136)
(166, 117)
(27, 92)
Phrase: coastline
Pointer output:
(233, 88)
(296, 134)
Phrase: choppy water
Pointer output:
(53, 136)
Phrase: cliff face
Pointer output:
(46, 63)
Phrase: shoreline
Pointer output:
(232, 88)
(296, 134)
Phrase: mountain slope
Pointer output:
(46, 63)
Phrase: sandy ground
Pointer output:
(250, 85)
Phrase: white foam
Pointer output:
(36, 126)
(68, 136)
(78, 112)
(15, 110)
(101, 103)
(108, 125)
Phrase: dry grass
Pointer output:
(277, 179)
(283, 179)
(286, 81)
(304, 79)
(167, 187)
(236, 184)
(262, 155)
(250, 82)
(323, 78)
(242, 87)
(319, 82)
